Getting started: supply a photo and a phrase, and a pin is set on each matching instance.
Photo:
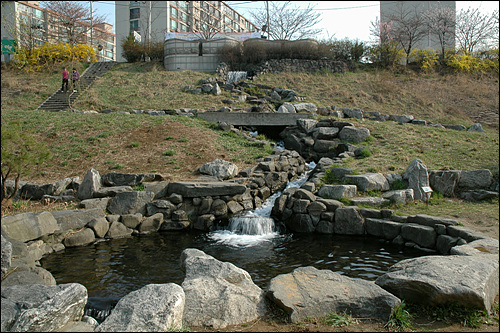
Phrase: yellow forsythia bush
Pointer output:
(469, 63)
(427, 59)
(34, 59)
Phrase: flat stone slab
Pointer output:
(198, 189)
(309, 292)
(254, 118)
(434, 280)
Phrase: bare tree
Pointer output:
(207, 24)
(288, 22)
(382, 31)
(408, 27)
(475, 29)
(441, 23)
(71, 20)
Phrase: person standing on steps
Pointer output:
(75, 78)
(65, 80)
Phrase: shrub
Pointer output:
(41, 57)
(385, 55)
(132, 50)
(426, 59)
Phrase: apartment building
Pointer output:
(417, 8)
(151, 20)
(31, 25)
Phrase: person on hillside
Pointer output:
(75, 78)
(65, 80)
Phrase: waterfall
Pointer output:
(235, 76)
(253, 227)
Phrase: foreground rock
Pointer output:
(218, 293)
(434, 280)
(38, 308)
(309, 292)
(153, 308)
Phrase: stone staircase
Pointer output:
(60, 100)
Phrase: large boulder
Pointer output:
(153, 308)
(337, 191)
(76, 218)
(418, 179)
(39, 308)
(91, 182)
(437, 280)
(80, 238)
(475, 180)
(444, 181)
(309, 292)
(130, 202)
(353, 134)
(220, 169)
(29, 226)
(218, 293)
(121, 179)
(369, 182)
(348, 221)
(199, 189)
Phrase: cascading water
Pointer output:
(235, 76)
(255, 226)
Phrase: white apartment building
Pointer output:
(151, 20)
(31, 25)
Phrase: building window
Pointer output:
(134, 26)
(173, 12)
(184, 17)
(184, 28)
(173, 25)
(134, 4)
(135, 13)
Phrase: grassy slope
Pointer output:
(175, 147)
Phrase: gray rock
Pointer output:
(337, 191)
(430, 221)
(437, 280)
(455, 127)
(218, 293)
(200, 189)
(28, 226)
(132, 220)
(100, 226)
(306, 107)
(348, 221)
(153, 308)
(369, 201)
(286, 108)
(353, 113)
(33, 191)
(111, 191)
(369, 182)
(401, 119)
(117, 230)
(306, 125)
(309, 292)
(300, 223)
(420, 234)
(76, 218)
(90, 183)
(80, 238)
(475, 180)
(99, 203)
(399, 196)
(353, 134)
(130, 202)
(382, 228)
(417, 177)
(6, 256)
(39, 308)
(444, 181)
(220, 169)
(477, 247)
(158, 188)
(476, 128)
(326, 133)
(121, 179)
(151, 224)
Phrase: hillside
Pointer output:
(176, 146)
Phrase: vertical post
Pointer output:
(91, 25)
(268, 26)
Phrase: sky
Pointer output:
(339, 19)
